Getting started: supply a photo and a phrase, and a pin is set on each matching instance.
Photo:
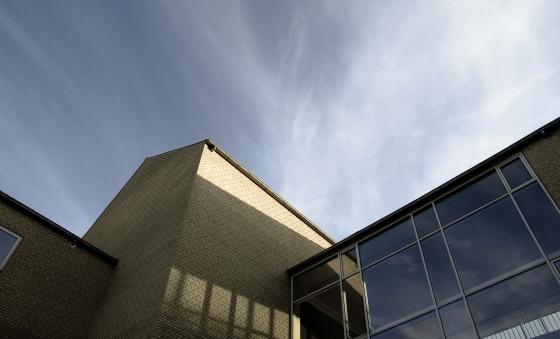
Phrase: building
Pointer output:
(194, 246)
(478, 257)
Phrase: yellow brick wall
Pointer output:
(544, 157)
(47, 288)
(140, 227)
(203, 252)
(229, 276)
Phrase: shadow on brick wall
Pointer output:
(229, 276)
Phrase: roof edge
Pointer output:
(59, 229)
(542, 131)
(269, 191)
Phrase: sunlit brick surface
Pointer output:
(204, 252)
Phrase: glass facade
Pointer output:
(479, 262)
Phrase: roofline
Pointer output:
(269, 191)
(59, 229)
(380, 223)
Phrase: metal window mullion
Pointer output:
(365, 302)
(292, 315)
(432, 293)
(550, 265)
(429, 234)
(455, 272)
(537, 179)
(389, 255)
(342, 297)
(404, 320)
(315, 292)
(520, 270)
(478, 209)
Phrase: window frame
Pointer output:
(18, 237)
(496, 168)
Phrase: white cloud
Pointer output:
(424, 92)
(348, 110)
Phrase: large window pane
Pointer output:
(541, 215)
(424, 327)
(397, 287)
(456, 321)
(490, 243)
(439, 267)
(516, 173)
(315, 278)
(470, 197)
(321, 315)
(353, 288)
(7, 241)
(526, 301)
(349, 262)
(392, 239)
(425, 221)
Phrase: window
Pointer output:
(8, 243)
(425, 221)
(315, 278)
(541, 215)
(528, 301)
(397, 288)
(387, 242)
(470, 197)
(490, 243)
(456, 321)
(320, 316)
(439, 268)
(349, 262)
(515, 173)
(425, 327)
(467, 265)
(353, 289)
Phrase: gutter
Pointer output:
(543, 132)
(58, 229)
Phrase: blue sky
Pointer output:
(348, 110)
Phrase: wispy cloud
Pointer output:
(349, 111)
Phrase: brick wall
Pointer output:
(229, 275)
(140, 227)
(544, 157)
(47, 288)
(203, 252)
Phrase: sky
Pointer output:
(349, 110)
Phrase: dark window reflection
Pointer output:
(439, 267)
(490, 243)
(425, 221)
(424, 327)
(541, 215)
(7, 241)
(316, 278)
(354, 297)
(456, 321)
(349, 262)
(394, 238)
(557, 265)
(397, 287)
(469, 198)
(528, 299)
(321, 315)
(516, 173)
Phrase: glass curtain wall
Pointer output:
(480, 262)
